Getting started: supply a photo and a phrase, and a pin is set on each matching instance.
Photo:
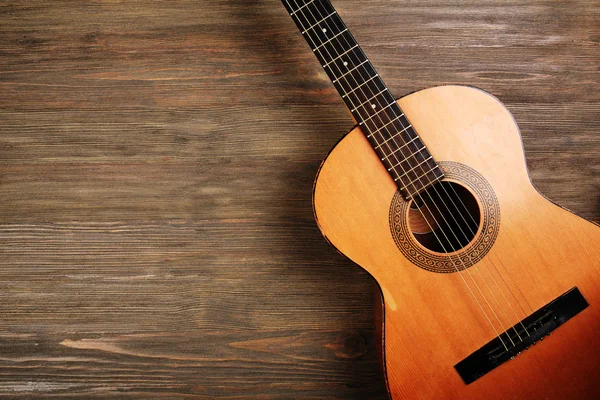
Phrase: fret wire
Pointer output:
(353, 77)
(329, 41)
(312, 22)
(397, 118)
(404, 145)
(384, 122)
(353, 69)
(419, 177)
(412, 168)
(337, 23)
(321, 54)
(306, 5)
(343, 91)
(398, 154)
(359, 86)
(338, 79)
(346, 93)
(318, 48)
(391, 156)
(369, 100)
(399, 167)
(404, 158)
(341, 55)
(370, 77)
(391, 122)
(317, 23)
(385, 131)
(396, 150)
(343, 76)
(377, 113)
(394, 137)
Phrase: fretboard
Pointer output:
(390, 133)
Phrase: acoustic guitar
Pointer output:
(489, 290)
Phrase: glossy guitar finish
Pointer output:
(431, 320)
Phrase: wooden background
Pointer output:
(156, 167)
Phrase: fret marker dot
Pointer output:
(324, 30)
(374, 105)
(345, 63)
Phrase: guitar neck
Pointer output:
(366, 95)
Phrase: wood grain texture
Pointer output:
(156, 167)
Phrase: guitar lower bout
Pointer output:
(480, 259)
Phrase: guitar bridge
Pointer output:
(524, 334)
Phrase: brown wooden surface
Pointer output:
(156, 168)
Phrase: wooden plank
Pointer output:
(156, 168)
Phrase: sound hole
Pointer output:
(445, 218)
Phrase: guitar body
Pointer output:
(526, 252)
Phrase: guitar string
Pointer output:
(476, 267)
(343, 29)
(317, 48)
(404, 173)
(473, 232)
(414, 187)
(445, 205)
(464, 235)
